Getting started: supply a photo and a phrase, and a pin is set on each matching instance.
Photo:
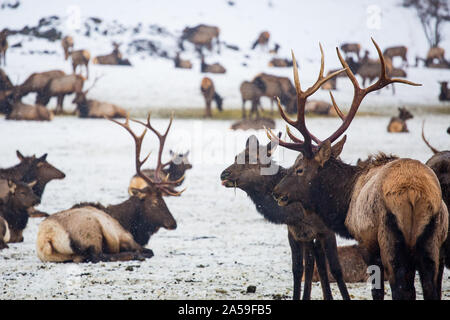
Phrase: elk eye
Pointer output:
(299, 171)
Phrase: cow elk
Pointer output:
(28, 112)
(90, 108)
(399, 51)
(262, 40)
(254, 172)
(36, 82)
(435, 53)
(60, 87)
(393, 207)
(114, 58)
(5, 82)
(92, 232)
(280, 63)
(444, 95)
(351, 48)
(209, 93)
(3, 45)
(80, 58)
(180, 63)
(250, 92)
(175, 169)
(211, 68)
(201, 36)
(398, 124)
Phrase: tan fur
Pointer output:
(136, 183)
(22, 111)
(436, 53)
(80, 57)
(396, 125)
(86, 228)
(318, 107)
(67, 44)
(5, 235)
(99, 109)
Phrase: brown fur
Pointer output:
(89, 108)
(22, 111)
(79, 58)
(253, 124)
(250, 92)
(37, 81)
(211, 68)
(399, 51)
(280, 63)
(275, 86)
(201, 36)
(4, 234)
(67, 44)
(444, 95)
(319, 107)
(435, 53)
(351, 47)
(209, 93)
(398, 124)
(263, 40)
(182, 64)
(3, 45)
(5, 82)
(59, 87)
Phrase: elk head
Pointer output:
(404, 114)
(180, 160)
(22, 195)
(155, 211)
(316, 154)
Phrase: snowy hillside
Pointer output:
(153, 82)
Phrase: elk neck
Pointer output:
(16, 217)
(331, 192)
(176, 171)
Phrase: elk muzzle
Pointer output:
(281, 198)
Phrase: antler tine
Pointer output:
(300, 147)
(336, 108)
(434, 150)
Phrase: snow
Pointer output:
(154, 83)
(221, 244)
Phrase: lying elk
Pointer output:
(89, 108)
(175, 169)
(14, 209)
(398, 124)
(29, 112)
(256, 174)
(444, 95)
(32, 169)
(60, 87)
(211, 68)
(3, 45)
(67, 44)
(275, 86)
(351, 47)
(440, 164)
(250, 92)
(209, 93)
(80, 58)
(180, 63)
(262, 40)
(36, 82)
(114, 58)
(280, 63)
(399, 51)
(5, 82)
(92, 232)
(393, 207)
(201, 36)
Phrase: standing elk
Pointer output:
(92, 232)
(175, 169)
(398, 124)
(399, 51)
(59, 87)
(211, 68)
(250, 92)
(3, 45)
(393, 207)
(67, 44)
(444, 95)
(180, 63)
(80, 58)
(435, 53)
(440, 164)
(209, 93)
(14, 210)
(351, 47)
(201, 36)
(275, 86)
(262, 40)
(36, 82)
(309, 238)
(90, 108)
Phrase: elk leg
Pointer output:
(208, 109)
(59, 104)
(330, 246)
(375, 260)
(244, 115)
(309, 269)
(87, 70)
(319, 255)
(297, 265)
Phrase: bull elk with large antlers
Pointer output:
(92, 232)
(393, 207)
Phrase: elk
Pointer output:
(275, 49)
(92, 232)
(209, 93)
(308, 236)
(211, 68)
(59, 87)
(399, 51)
(22, 111)
(250, 92)
(67, 44)
(201, 36)
(175, 169)
(392, 206)
(114, 58)
(280, 63)
(5, 82)
(351, 47)
(435, 53)
(4, 234)
(180, 63)
(32, 169)
(14, 210)
(398, 124)
(79, 58)
(3, 45)
(444, 95)
(36, 82)
(282, 87)
(319, 107)
(89, 108)
(440, 164)
(262, 40)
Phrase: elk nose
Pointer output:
(224, 175)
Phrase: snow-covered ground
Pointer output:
(154, 83)
(221, 245)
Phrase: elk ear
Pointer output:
(138, 193)
(19, 155)
(171, 153)
(32, 184)
(12, 186)
(187, 153)
(337, 148)
(43, 158)
(324, 153)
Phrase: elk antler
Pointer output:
(359, 94)
(434, 150)
(164, 185)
